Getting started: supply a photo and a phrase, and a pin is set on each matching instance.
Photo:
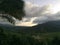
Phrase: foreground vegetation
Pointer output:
(13, 38)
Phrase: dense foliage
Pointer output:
(12, 38)
(13, 8)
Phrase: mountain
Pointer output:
(51, 26)
(12, 27)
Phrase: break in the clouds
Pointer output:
(38, 15)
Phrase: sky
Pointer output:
(39, 12)
(43, 2)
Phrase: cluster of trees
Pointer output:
(14, 8)
(11, 38)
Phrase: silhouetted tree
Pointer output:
(13, 8)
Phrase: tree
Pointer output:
(13, 8)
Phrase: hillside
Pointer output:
(42, 34)
(51, 26)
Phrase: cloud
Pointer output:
(30, 5)
(4, 21)
(38, 15)
(30, 8)
(26, 22)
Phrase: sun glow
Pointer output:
(26, 24)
